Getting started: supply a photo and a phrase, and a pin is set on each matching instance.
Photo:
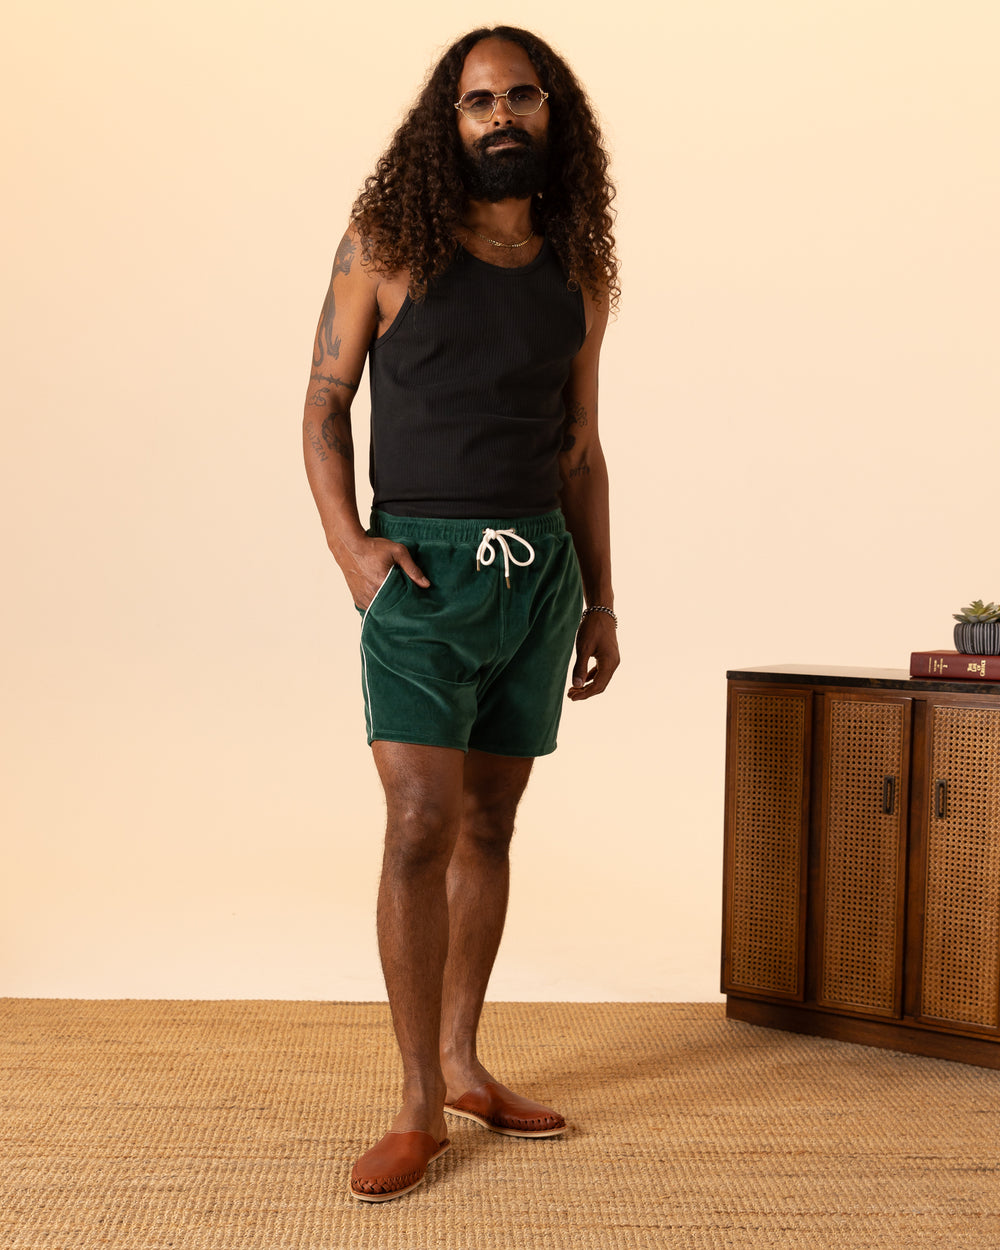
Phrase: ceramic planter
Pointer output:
(978, 637)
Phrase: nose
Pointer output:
(503, 104)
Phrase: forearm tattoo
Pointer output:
(316, 443)
(576, 414)
(335, 442)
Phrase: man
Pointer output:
(476, 277)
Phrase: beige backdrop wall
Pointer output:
(800, 411)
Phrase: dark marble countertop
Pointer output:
(866, 678)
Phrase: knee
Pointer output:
(419, 838)
(488, 826)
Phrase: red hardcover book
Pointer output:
(955, 666)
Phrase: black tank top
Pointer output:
(466, 388)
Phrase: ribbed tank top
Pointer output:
(466, 389)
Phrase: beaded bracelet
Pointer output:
(599, 607)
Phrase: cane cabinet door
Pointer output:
(960, 944)
(767, 815)
(860, 900)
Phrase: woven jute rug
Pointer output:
(233, 1125)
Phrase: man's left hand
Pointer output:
(597, 641)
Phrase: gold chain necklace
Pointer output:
(496, 242)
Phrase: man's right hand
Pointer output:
(366, 567)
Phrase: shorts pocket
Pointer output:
(391, 591)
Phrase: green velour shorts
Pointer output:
(470, 661)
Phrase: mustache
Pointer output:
(520, 137)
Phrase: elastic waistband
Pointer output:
(428, 529)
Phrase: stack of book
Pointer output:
(955, 666)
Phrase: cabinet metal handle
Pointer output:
(888, 795)
(941, 799)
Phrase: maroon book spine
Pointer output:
(955, 666)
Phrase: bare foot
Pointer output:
(424, 1114)
(460, 1079)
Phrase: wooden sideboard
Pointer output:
(862, 858)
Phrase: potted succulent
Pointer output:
(978, 629)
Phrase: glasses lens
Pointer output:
(524, 100)
(477, 105)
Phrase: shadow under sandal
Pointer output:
(395, 1165)
(501, 1111)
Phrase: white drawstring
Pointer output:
(486, 555)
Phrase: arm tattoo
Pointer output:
(581, 470)
(576, 414)
(334, 442)
(327, 343)
(345, 256)
(317, 446)
(332, 381)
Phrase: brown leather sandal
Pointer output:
(501, 1111)
(395, 1165)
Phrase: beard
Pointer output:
(515, 173)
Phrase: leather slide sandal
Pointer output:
(495, 1107)
(395, 1165)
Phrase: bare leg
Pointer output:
(477, 884)
(423, 790)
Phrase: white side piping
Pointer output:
(364, 656)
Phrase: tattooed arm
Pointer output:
(585, 505)
(347, 323)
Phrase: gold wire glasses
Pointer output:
(479, 106)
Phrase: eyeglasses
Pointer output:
(479, 106)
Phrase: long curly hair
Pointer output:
(410, 208)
